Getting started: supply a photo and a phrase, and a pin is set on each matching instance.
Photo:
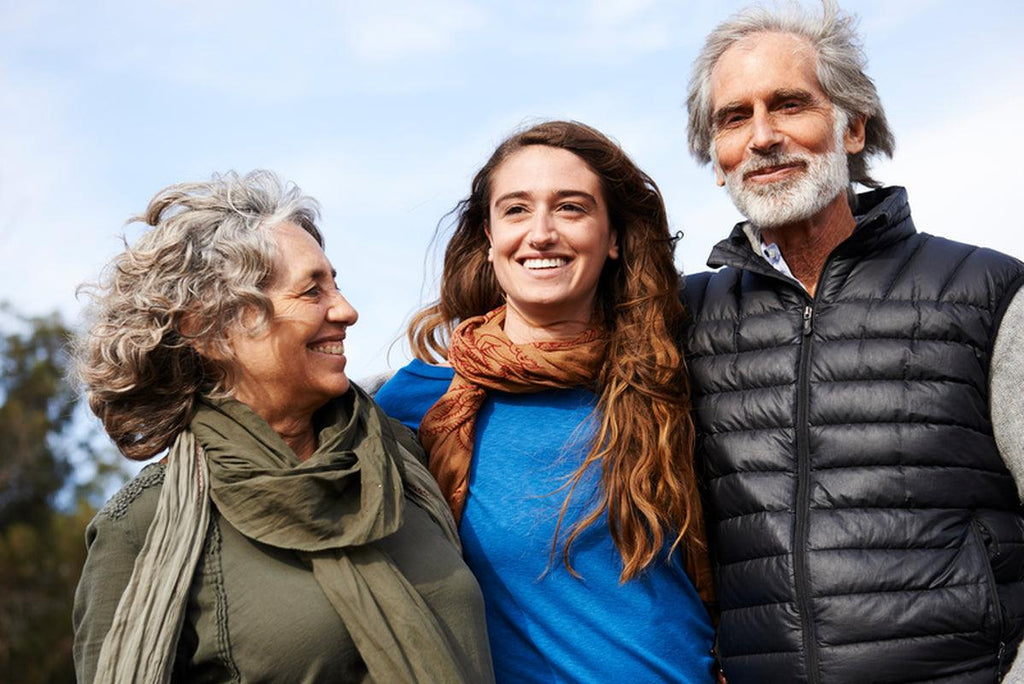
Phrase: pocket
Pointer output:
(989, 547)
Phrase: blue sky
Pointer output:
(383, 112)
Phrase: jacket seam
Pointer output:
(855, 508)
(886, 592)
(852, 643)
(838, 381)
(916, 301)
(956, 270)
(847, 423)
(906, 264)
(692, 356)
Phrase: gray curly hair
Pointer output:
(199, 273)
(840, 68)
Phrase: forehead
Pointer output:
(298, 253)
(762, 64)
(538, 168)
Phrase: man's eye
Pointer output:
(312, 292)
(732, 120)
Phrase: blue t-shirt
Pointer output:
(544, 624)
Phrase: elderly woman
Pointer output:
(559, 427)
(290, 534)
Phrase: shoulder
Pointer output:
(964, 268)
(983, 255)
(132, 508)
(412, 390)
(704, 289)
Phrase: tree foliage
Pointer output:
(41, 544)
(37, 408)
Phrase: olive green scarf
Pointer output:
(331, 509)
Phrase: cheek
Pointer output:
(503, 243)
(728, 153)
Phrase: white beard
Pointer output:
(796, 199)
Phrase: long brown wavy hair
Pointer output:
(644, 443)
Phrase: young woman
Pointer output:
(550, 392)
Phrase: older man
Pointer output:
(857, 385)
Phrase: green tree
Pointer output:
(37, 408)
(41, 544)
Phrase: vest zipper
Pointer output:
(979, 532)
(803, 497)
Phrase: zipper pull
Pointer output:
(808, 310)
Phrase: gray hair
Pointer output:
(200, 272)
(840, 69)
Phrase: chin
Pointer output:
(336, 388)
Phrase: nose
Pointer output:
(542, 230)
(340, 311)
(764, 135)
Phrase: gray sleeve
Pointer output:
(1006, 390)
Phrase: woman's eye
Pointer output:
(575, 208)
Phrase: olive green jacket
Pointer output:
(255, 612)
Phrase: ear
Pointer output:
(719, 176)
(853, 138)
(490, 243)
(613, 247)
(191, 328)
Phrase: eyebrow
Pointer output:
(559, 194)
(723, 112)
(319, 273)
(797, 94)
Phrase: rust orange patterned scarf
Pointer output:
(485, 359)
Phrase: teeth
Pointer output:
(336, 348)
(545, 263)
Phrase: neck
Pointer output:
(806, 245)
(524, 329)
(293, 424)
(298, 435)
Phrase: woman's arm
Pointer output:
(113, 539)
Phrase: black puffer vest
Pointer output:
(864, 526)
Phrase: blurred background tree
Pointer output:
(55, 469)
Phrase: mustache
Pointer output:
(755, 164)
